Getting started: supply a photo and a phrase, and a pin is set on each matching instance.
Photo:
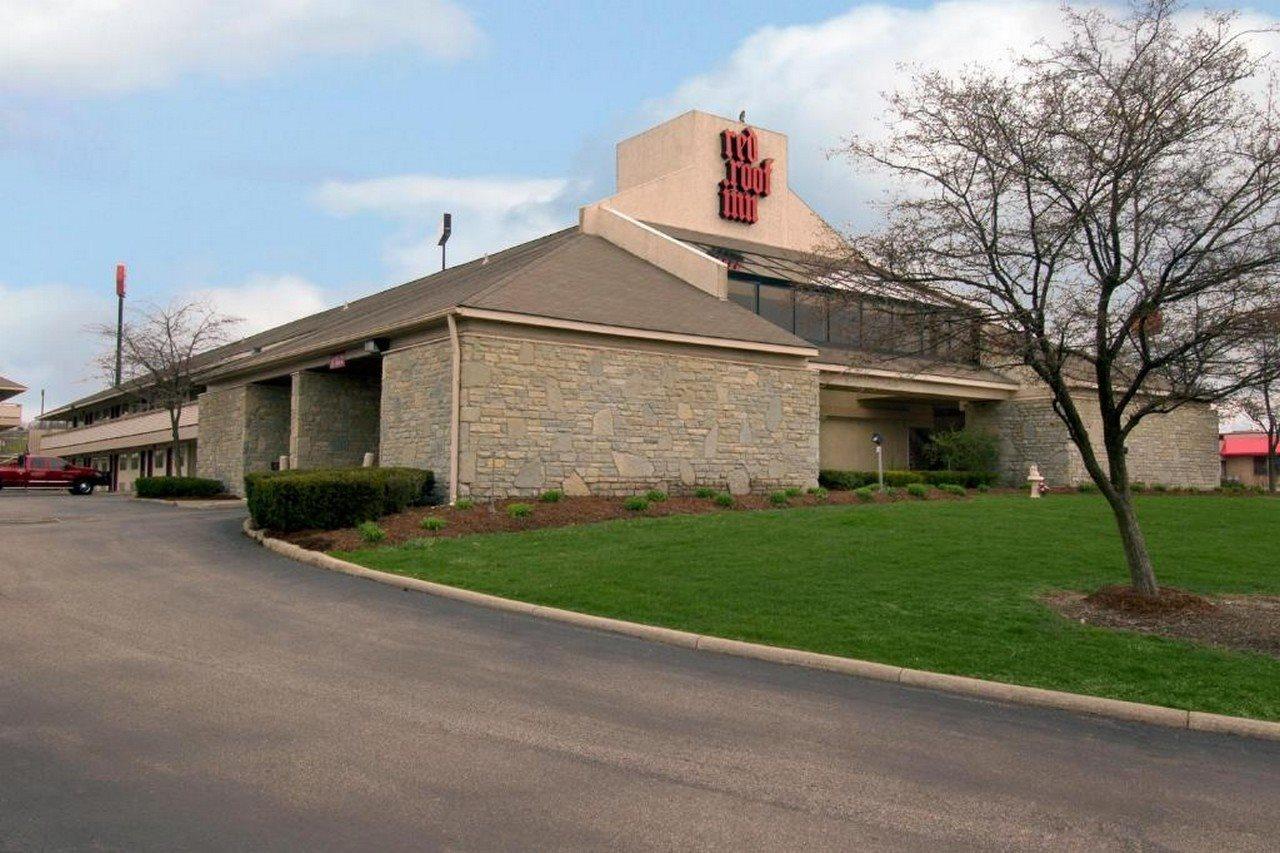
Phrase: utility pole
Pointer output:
(120, 279)
(446, 229)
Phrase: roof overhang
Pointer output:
(920, 383)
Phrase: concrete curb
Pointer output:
(993, 690)
(192, 504)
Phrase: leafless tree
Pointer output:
(1108, 206)
(1260, 402)
(160, 345)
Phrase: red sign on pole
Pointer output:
(120, 277)
(745, 181)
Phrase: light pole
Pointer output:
(877, 439)
(446, 228)
(120, 285)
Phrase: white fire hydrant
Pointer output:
(1036, 480)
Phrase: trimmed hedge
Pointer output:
(852, 480)
(327, 499)
(177, 487)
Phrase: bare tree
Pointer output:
(1109, 207)
(1260, 402)
(159, 349)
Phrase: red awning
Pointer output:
(1243, 444)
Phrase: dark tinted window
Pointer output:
(776, 306)
(811, 316)
(845, 325)
(743, 293)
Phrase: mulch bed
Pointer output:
(1243, 622)
(493, 518)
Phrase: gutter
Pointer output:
(455, 414)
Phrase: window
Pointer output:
(811, 315)
(846, 322)
(1260, 465)
(743, 293)
(776, 306)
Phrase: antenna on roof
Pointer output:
(446, 228)
(742, 116)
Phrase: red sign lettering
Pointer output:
(745, 182)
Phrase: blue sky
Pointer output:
(278, 157)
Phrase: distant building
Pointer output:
(10, 413)
(1244, 457)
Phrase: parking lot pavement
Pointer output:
(166, 684)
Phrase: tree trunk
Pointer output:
(1271, 467)
(174, 457)
(1141, 572)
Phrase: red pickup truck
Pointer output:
(30, 472)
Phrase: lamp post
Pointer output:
(120, 287)
(446, 228)
(877, 439)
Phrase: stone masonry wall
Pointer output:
(221, 442)
(417, 404)
(1177, 449)
(334, 419)
(266, 419)
(537, 415)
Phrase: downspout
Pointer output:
(455, 413)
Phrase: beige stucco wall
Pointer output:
(849, 422)
(616, 419)
(669, 175)
(417, 399)
(1177, 449)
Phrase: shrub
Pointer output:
(983, 487)
(968, 479)
(793, 492)
(656, 496)
(371, 532)
(866, 493)
(778, 498)
(551, 496)
(1087, 487)
(177, 487)
(1137, 486)
(963, 450)
(463, 503)
(636, 503)
(1159, 487)
(952, 489)
(520, 510)
(918, 490)
(433, 522)
(332, 498)
(846, 480)
(723, 499)
(818, 492)
(705, 492)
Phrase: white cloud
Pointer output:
(114, 45)
(45, 342)
(489, 213)
(820, 83)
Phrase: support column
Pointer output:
(334, 418)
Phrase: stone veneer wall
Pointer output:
(222, 437)
(266, 419)
(1177, 449)
(417, 392)
(602, 420)
(334, 419)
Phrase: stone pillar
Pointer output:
(222, 437)
(266, 416)
(334, 418)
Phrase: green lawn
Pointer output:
(947, 585)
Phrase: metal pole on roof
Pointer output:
(446, 228)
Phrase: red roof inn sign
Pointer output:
(745, 182)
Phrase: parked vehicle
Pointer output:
(50, 472)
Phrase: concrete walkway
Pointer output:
(165, 683)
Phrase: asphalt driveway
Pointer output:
(166, 684)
